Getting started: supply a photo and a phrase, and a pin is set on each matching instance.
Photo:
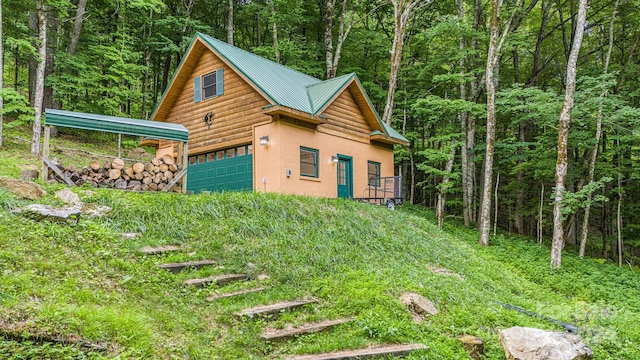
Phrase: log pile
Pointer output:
(151, 176)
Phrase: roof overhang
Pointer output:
(118, 125)
(293, 113)
(387, 139)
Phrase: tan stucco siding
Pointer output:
(235, 112)
(283, 152)
(345, 119)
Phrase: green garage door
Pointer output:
(223, 170)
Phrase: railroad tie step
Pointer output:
(179, 266)
(280, 334)
(219, 280)
(235, 293)
(158, 250)
(274, 308)
(400, 350)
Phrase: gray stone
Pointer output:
(129, 236)
(418, 305)
(94, 210)
(68, 196)
(520, 343)
(41, 212)
(23, 189)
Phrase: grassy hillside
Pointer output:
(85, 282)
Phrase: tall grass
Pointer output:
(356, 259)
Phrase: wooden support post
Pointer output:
(185, 164)
(45, 153)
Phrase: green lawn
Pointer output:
(84, 282)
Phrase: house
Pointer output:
(261, 126)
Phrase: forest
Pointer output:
(522, 115)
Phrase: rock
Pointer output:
(129, 236)
(473, 345)
(46, 212)
(29, 174)
(443, 271)
(68, 196)
(88, 193)
(520, 343)
(138, 150)
(93, 210)
(23, 189)
(418, 305)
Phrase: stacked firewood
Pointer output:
(151, 176)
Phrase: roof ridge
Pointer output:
(329, 80)
(258, 56)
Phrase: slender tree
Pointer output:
(402, 10)
(594, 152)
(39, 93)
(563, 137)
(230, 23)
(333, 57)
(77, 26)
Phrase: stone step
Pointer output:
(400, 350)
(175, 267)
(279, 334)
(157, 250)
(274, 308)
(219, 280)
(235, 293)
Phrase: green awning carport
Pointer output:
(114, 124)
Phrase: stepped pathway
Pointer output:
(235, 293)
(270, 334)
(158, 250)
(281, 334)
(179, 266)
(219, 280)
(401, 350)
(274, 309)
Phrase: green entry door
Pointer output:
(224, 170)
(345, 177)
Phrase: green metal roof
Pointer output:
(114, 124)
(285, 86)
(321, 92)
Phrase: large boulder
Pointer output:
(521, 343)
(23, 189)
(46, 212)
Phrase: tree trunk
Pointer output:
(230, 23)
(328, 38)
(594, 153)
(147, 64)
(563, 134)
(540, 229)
(1, 76)
(33, 62)
(442, 193)
(492, 63)
(77, 27)
(39, 93)
(275, 33)
(520, 194)
(495, 200)
(463, 118)
(401, 11)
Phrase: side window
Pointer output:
(308, 162)
(373, 173)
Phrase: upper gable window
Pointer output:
(209, 83)
(208, 86)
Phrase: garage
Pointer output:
(221, 170)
